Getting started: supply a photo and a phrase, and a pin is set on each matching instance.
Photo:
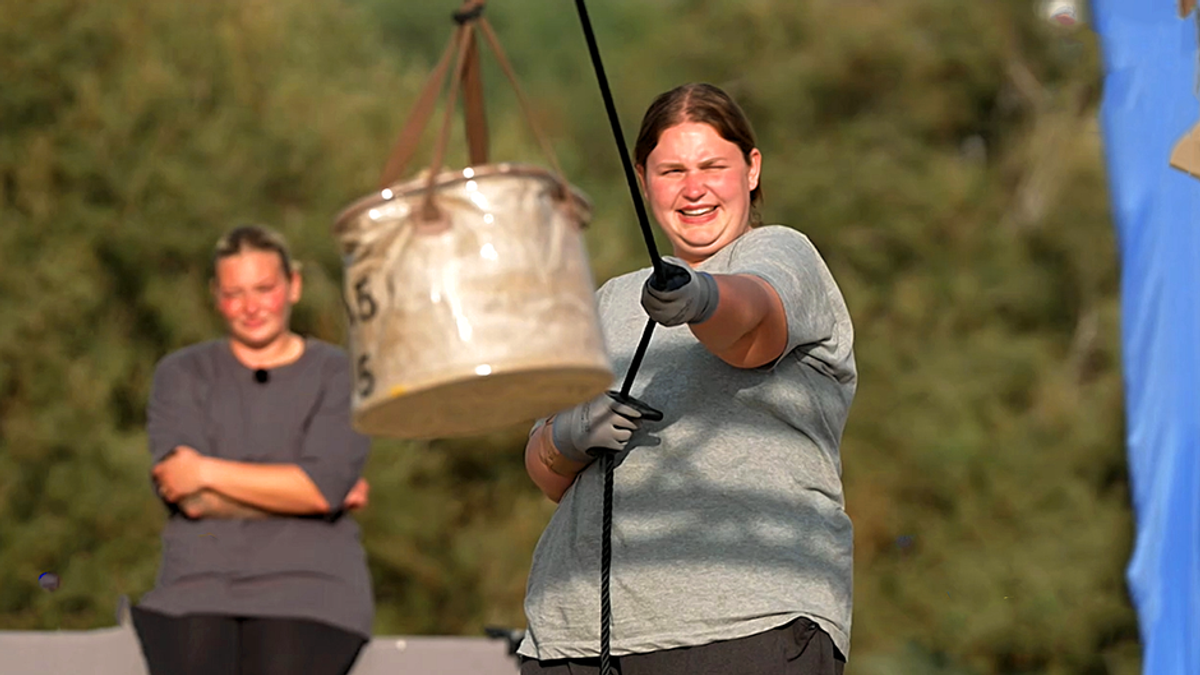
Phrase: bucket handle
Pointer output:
(467, 77)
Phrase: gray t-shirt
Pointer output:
(305, 567)
(728, 515)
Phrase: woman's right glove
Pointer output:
(693, 300)
(599, 423)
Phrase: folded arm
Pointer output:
(280, 488)
(209, 504)
(321, 480)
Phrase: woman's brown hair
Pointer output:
(705, 104)
(253, 238)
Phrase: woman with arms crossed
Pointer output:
(254, 454)
(732, 553)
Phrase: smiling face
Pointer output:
(698, 185)
(255, 296)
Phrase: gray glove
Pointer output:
(599, 423)
(693, 302)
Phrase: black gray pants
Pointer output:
(798, 648)
(207, 644)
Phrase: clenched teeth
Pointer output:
(697, 212)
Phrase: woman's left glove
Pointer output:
(693, 302)
(602, 422)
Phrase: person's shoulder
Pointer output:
(331, 360)
(634, 278)
(774, 242)
(778, 233)
(190, 360)
(327, 352)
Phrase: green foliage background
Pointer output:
(942, 155)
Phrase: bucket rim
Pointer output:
(416, 185)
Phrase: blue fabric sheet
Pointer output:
(1150, 62)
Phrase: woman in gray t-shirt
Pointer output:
(731, 549)
(262, 571)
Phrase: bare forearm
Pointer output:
(209, 504)
(549, 470)
(280, 488)
(749, 327)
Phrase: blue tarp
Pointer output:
(1150, 63)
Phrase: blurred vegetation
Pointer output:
(942, 155)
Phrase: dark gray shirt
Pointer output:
(287, 566)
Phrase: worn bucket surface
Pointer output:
(474, 320)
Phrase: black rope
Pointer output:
(615, 121)
(663, 279)
(606, 466)
(638, 355)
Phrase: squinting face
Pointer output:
(255, 296)
(698, 185)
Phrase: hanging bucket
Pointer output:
(476, 317)
(470, 298)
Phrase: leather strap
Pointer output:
(506, 67)
(473, 110)
(472, 85)
(467, 77)
(465, 40)
(410, 136)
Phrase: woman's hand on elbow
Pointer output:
(184, 472)
(358, 496)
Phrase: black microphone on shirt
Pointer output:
(261, 376)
